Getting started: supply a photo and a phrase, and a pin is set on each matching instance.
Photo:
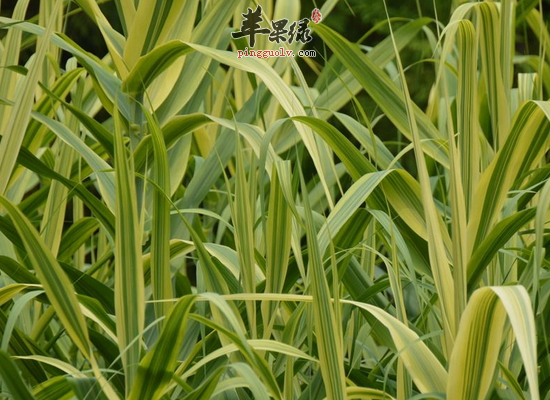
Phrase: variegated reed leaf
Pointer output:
(329, 342)
(147, 31)
(12, 379)
(57, 286)
(426, 371)
(497, 95)
(467, 119)
(157, 367)
(151, 65)
(20, 114)
(129, 286)
(54, 214)
(384, 92)
(468, 140)
(278, 245)
(343, 86)
(287, 100)
(115, 41)
(160, 232)
(438, 259)
(208, 32)
(243, 217)
(402, 190)
(479, 340)
(523, 147)
(10, 56)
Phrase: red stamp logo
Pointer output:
(316, 15)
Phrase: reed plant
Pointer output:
(177, 222)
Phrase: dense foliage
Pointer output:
(180, 223)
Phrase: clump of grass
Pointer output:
(180, 223)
